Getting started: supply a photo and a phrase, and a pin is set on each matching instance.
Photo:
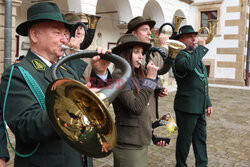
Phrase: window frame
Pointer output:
(209, 13)
(204, 7)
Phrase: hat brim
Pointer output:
(151, 24)
(23, 28)
(179, 35)
(118, 49)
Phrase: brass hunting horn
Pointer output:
(79, 115)
(178, 20)
(89, 31)
(174, 46)
(210, 30)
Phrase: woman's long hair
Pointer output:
(137, 73)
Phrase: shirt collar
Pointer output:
(49, 64)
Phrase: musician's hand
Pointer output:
(161, 143)
(165, 117)
(152, 70)
(88, 85)
(99, 65)
(2, 162)
(209, 111)
(164, 92)
(162, 39)
(105, 147)
(201, 41)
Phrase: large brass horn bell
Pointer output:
(178, 21)
(210, 30)
(79, 115)
(90, 32)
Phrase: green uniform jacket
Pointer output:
(29, 123)
(78, 65)
(4, 153)
(192, 86)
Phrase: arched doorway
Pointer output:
(180, 14)
(153, 10)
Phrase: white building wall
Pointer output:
(86, 6)
(220, 42)
(226, 73)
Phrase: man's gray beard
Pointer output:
(191, 48)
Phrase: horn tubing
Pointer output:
(161, 52)
(123, 64)
(88, 38)
(172, 26)
(90, 32)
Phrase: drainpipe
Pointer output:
(7, 34)
(248, 52)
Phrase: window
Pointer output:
(205, 16)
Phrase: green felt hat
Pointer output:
(138, 21)
(186, 29)
(39, 12)
(129, 41)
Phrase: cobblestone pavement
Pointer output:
(228, 133)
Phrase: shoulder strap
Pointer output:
(34, 87)
(36, 90)
(202, 76)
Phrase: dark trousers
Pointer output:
(87, 161)
(191, 129)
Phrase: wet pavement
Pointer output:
(228, 132)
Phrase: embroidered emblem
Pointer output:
(38, 64)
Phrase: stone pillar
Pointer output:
(15, 4)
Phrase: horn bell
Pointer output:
(81, 117)
(210, 30)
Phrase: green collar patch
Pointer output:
(39, 65)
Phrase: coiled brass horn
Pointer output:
(89, 31)
(210, 30)
(178, 21)
(174, 47)
(79, 115)
(92, 23)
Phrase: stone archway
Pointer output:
(82, 6)
(124, 10)
(181, 14)
(153, 10)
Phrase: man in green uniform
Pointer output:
(4, 154)
(35, 137)
(192, 102)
